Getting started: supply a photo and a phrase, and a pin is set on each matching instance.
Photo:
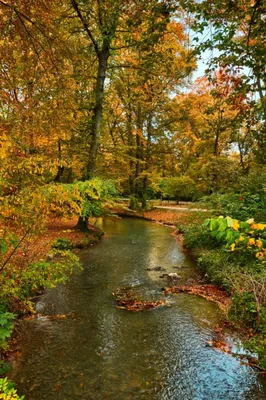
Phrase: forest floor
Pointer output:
(35, 247)
(172, 215)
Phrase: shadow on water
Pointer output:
(99, 352)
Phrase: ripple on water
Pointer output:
(99, 352)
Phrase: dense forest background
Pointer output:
(105, 89)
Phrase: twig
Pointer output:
(14, 250)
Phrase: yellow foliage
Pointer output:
(259, 243)
(250, 221)
(259, 227)
(232, 247)
(260, 255)
(251, 241)
(236, 225)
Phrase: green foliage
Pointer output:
(238, 265)
(8, 391)
(246, 238)
(6, 326)
(217, 267)
(213, 173)
(257, 344)
(17, 285)
(196, 236)
(244, 308)
(63, 244)
(86, 199)
(5, 367)
(240, 206)
(178, 188)
(133, 203)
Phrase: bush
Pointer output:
(195, 236)
(17, 285)
(63, 244)
(240, 206)
(133, 203)
(178, 188)
(6, 326)
(8, 391)
(217, 267)
(233, 255)
(244, 309)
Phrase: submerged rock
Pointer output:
(155, 269)
(172, 276)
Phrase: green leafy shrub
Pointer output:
(244, 308)
(133, 203)
(8, 391)
(217, 267)
(17, 285)
(63, 244)
(6, 326)
(241, 206)
(178, 188)
(257, 344)
(5, 367)
(196, 236)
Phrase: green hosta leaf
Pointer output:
(230, 222)
(206, 223)
(221, 235)
(222, 224)
(214, 224)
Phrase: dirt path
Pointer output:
(178, 208)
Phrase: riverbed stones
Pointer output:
(172, 276)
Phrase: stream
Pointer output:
(82, 347)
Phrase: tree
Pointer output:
(138, 95)
(237, 31)
(110, 26)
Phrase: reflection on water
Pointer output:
(98, 352)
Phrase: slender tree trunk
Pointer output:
(130, 151)
(139, 153)
(147, 161)
(262, 96)
(60, 168)
(97, 111)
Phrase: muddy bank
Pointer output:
(207, 291)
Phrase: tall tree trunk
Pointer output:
(147, 161)
(130, 142)
(139, 153)
(97, 111)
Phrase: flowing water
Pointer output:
(82, 347)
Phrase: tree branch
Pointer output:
(14, 250)
(21, 14)
(86, 26)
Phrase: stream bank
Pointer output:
(96, 351)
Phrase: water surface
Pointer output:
(95, 351)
